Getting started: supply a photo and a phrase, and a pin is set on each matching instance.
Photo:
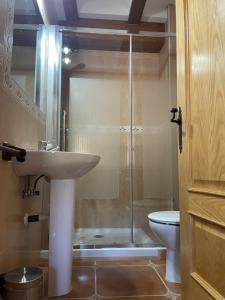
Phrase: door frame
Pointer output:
(183, 158)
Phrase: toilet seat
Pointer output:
(165, 217)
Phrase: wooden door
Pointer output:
(201, 95)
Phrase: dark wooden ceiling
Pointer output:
(133, 24)
(71, 10)
(26, 38)
(104, 42)
(96, 41)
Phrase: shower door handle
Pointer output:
(64, 131)
(178, 121)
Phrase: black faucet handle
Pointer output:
(8, 151)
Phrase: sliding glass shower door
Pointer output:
(117, 91)
(155, 178)
(95, 98)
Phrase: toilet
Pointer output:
(166, 226)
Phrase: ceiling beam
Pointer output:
(119, 43)
(117, 25)
(71, 11)
(136, 10)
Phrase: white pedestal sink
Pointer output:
(62, 168)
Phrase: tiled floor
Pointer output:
(120, 279)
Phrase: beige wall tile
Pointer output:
(19, 244)
(104, 81)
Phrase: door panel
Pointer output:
(206, 20)
(201, 95)
(208, 261)
(207, 207)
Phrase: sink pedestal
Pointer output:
(62, 199)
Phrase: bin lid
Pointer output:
(24, 275)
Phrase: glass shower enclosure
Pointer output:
(117, 90)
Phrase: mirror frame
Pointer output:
(6, 45)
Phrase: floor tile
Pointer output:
(83, 283)
(122, 278)
(83, 262)
(128, 281)
(173, 287)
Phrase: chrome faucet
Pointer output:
(47, 146)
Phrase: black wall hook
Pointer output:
(9, 151)
(178, 121)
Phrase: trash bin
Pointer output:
(24, 284)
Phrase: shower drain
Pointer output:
(98, 236)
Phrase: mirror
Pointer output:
(35, 73)
(23, 60)
(32, 65)
(26, 20)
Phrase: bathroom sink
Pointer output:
(62, 168)
(56, 164)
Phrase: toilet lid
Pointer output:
(165, 217)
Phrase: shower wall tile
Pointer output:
(145, 69)
(124, 221)
(150, 112)
(95, 128)
(124, 176)
(19, 244)
(153, 139)
(138, 166)
(98, 109)
(17, 240)
(94, 213)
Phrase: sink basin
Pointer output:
(62, 168)
(56, 164)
